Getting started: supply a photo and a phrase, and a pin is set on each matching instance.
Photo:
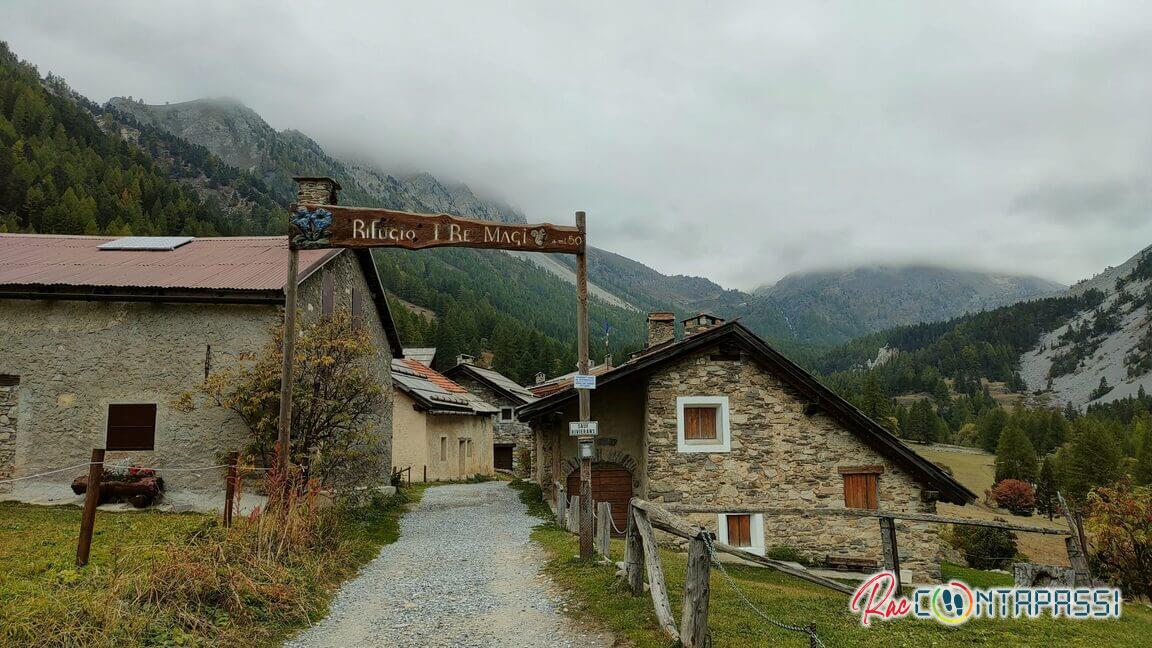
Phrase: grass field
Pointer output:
(46, 601)
(976, 470)
(599, 598)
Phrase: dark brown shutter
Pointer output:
(860, 490)
(700, 422)
(327, 293)
(356, 306)
(131, 427)
(740, 530)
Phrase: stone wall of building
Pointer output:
(75, 358)
(505, 432)
(9, 416)
(779, 457)
(348, 277)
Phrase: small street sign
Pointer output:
(582, 428)
(583, 381)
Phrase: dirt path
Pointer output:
(463, 573)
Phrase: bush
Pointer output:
(985, 547)
(1120, 524)
(786, 552)
(1015, 495)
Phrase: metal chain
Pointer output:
(732, 582)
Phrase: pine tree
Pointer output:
(1142, 471)
(1090, 458)
(1046, 489)
(1015, 456)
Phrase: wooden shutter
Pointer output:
(700, 422)
(860, 490)
(739, 530)
(131, 427)
(327, 293)
(356, 308)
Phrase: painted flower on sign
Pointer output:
(311, 228)
(538, 235)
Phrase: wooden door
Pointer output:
(611, 483)
(502, 456)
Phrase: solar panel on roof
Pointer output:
(146, 243)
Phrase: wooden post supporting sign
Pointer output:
(585, 406)
(91, 501)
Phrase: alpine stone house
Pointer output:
(513, 445)
(719, 418)
(102, 335)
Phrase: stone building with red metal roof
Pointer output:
(101, 335)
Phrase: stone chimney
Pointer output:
(608, 360)
(316, 190)
(661, 329)
(540, 377)
(464, 358)
(700, 323)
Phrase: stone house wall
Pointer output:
(779, 458)
(505, 432)
(619, 413)
(74, 358)
(9, 394)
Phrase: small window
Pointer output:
(327, 293)
(861, 486)
(742, 530)
(702, 424)
(131, 427)
(506, 414)
(443, 448)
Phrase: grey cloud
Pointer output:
(738, 140)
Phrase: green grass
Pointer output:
(600, 598)
(46, 600)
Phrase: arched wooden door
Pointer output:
(611, 483)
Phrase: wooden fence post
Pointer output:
(230, 488)
(574, 514)
(1076, 545)
(91, 501)
(604, 529)
(694, 616)
(656, 586)
(633, 556)
(891, 551)
(561, 506)
(425, 474)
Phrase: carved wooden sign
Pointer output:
(332, 226)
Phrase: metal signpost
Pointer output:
(320, 224)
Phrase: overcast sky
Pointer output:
(738, 141)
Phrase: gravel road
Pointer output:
(463, 573)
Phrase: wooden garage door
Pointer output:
(502, 456)
(611, 483)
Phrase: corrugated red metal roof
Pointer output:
(229, 263)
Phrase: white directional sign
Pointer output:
(582, 428)
(582, 381)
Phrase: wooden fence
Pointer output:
(642, 559)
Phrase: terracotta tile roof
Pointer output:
(434, 391)
(232, 263)
(433, 376)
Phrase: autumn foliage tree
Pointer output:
(336, 404)
(1015, 495)
(1120, 524)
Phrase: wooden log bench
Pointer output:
(140, 493)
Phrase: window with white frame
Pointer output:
(702, 424)
(742, 530)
